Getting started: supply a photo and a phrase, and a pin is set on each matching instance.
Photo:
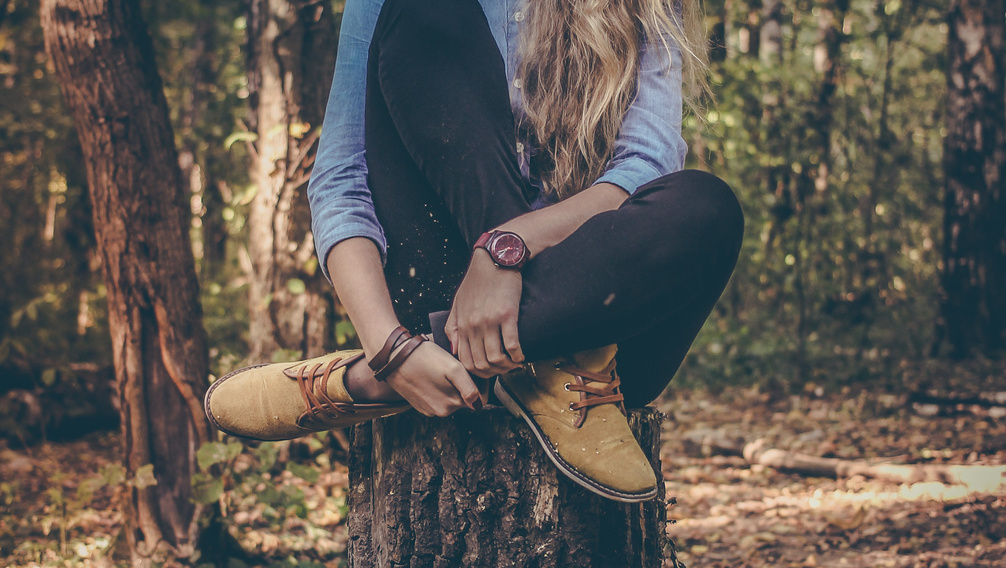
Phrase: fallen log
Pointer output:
(931, 403)
(758, 452)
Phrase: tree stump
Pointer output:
(477, 490)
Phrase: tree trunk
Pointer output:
(476, 490)
(770, 33)
(105, 62)
(973, 307)
(292, 47)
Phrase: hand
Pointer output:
(482, 325)
(434, 382)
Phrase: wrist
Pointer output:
(506, 249)
(372, 337)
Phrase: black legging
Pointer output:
(443, 169)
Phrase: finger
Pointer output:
(451, 329)
(482, 366)
(464, 354)
(499, 360)
(462, 381)
(510, 341)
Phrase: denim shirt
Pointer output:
(649, 143)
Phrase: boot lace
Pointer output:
(314, 391)
(595, 388)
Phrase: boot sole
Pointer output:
(517, 409)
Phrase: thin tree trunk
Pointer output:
(973, 306)
(104, 59)
(770, 33)
(292, 46)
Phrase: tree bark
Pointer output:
(292, 47)
(477, 490)
(973, 306)
(104, 59)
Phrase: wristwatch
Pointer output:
(505, 248)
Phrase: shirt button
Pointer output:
(518, 17)
(517, 83)
(520, 148)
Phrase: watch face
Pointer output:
(507, 249)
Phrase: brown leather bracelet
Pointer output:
(399, 336)
(400, 357)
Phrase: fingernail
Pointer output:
(477, 405)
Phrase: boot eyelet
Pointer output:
(558, 366)
(566, 387)
(571, 407)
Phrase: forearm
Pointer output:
(547, 227)
(356, 271)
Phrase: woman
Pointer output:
(517, 164)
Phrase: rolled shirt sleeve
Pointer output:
(341, 203)
(649, 143)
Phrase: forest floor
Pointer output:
(729, 513)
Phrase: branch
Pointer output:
(974, 477)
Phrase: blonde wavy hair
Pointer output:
(579, 61)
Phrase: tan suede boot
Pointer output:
(575, 410)
(289, 400)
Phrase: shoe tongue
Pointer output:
(595, 360)
(337, 386)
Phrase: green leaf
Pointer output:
(113, 473)
(240, 136)
(206, 489)
(344, 331)
(266, 454)
(246, 196)
(49, 377)
(211, 453)
(296, 286)
(87, 488)
(144, 477)
(234, 450)
(305, 472)
(311, 266)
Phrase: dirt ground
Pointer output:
(728, 513)
(732, 514)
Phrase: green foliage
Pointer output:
(51, 309)
(839, 267)
(269, 484)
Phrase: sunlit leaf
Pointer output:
(240, 136)
(296, 286)
(144, 477)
